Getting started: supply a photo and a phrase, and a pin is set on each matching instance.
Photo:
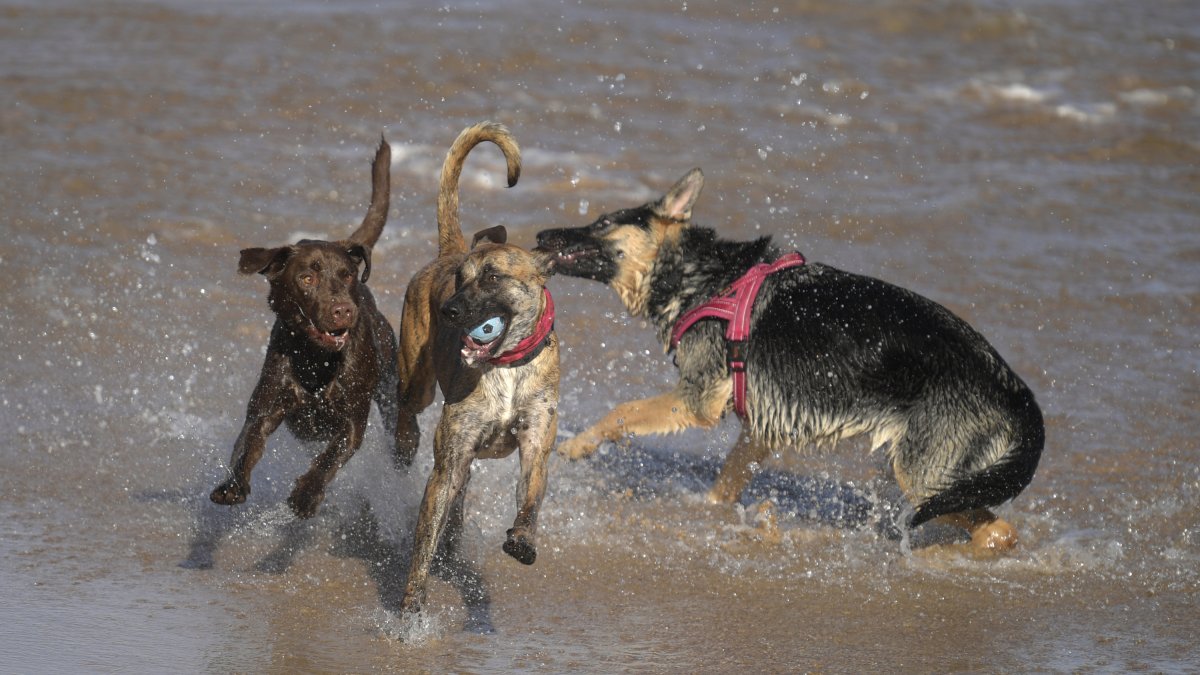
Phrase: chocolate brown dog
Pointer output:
(478, 323)
(330, 353)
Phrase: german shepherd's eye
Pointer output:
(347, 276)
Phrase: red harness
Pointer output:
(733, 305)
(527, 346)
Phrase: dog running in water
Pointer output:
(331, 352)
(806, 353)
(478, 322)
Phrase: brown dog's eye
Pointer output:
(308, 279)
(347, 277)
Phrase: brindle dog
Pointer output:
(331, 352)
(829, 354)
(478, 323)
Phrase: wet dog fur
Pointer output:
(330, 353)
(489, 410)
(830, 355)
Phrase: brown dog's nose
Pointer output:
(343, 314)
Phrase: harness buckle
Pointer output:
(735, 355)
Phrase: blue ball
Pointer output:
(488, 330)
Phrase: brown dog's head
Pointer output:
(498, 296)
(314, 286)
(619, 248)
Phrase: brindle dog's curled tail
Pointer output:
(377, 213)
(450, 236)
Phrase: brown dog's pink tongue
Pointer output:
(334, 342)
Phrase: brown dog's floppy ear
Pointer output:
(266, 261)
(361, 253)
(677, 203)
(496, 235)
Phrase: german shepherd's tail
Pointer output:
(999, 482)
(377, 213)
(450, 236)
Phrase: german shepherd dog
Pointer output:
(331, 352)
(829, 355)
(478, 323)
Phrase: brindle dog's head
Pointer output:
(496, 281)
(619, 248)
(315, 286)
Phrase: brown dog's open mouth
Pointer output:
(333, 340)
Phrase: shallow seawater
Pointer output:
(1034, 166)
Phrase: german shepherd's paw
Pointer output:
(229, 493)
(520, 546)
(579, 447)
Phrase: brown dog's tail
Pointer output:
(450, 236)
(381, 185)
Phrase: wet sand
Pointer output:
(1032, 166)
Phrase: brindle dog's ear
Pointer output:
(496, 235)
(361, 253)
(677, 203)
(266, 261)
(544, 263)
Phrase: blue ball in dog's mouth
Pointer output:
(488, 330)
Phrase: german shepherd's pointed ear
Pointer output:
(265, 261)
(361, 253)
(496, 235)
(677, 203)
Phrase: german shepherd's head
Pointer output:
(619, 248)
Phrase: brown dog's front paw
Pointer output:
(579, 447)
(520, 546)
(304, 500)
(229, 493)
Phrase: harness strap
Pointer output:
(734, 305)
(526, 348)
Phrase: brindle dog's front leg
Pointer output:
(309, 490)
(663, 414)
(452, 455)
(536, 444)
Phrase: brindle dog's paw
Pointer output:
(229, 493)
(520, 546)
(305, 499)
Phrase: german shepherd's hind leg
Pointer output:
(737, 471)
(988, 533)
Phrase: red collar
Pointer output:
(733, 305)
(525, 348)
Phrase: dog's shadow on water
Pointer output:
(878, 504)
(355, 533)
